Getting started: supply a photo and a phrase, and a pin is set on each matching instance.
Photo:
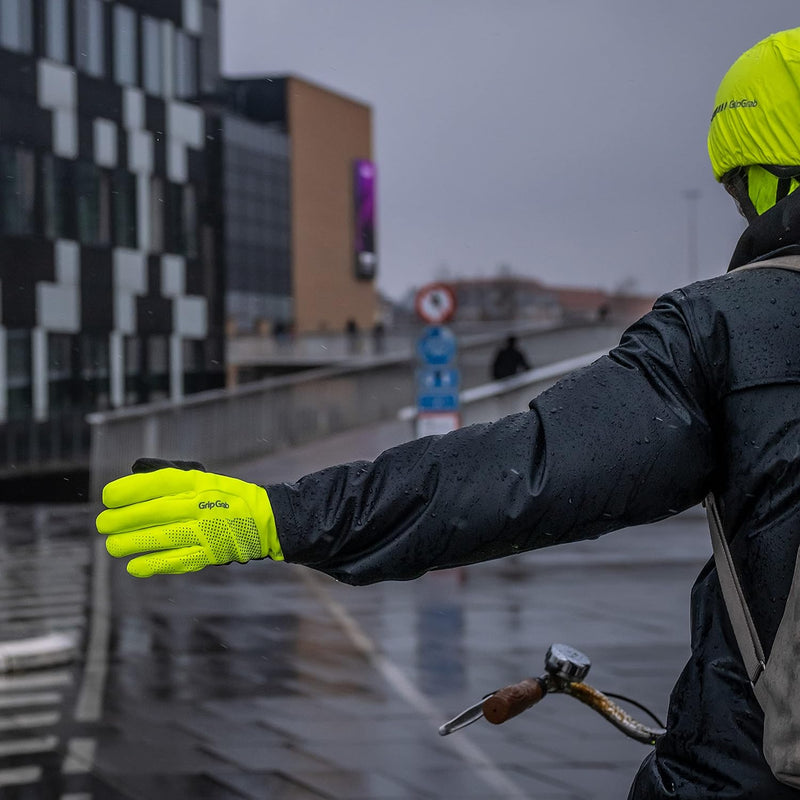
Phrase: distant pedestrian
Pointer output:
(379, 337)
(353, 336)
(509, 360)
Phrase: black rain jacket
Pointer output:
(702, 393)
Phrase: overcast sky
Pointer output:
(555, 136)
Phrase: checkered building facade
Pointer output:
(109, 287)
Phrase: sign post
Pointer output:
(437, 377)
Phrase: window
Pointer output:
(123, 200)
(157, 206)
(57, 202)
(89, 37)
(18, 354)
(134, 385)
(17, 190)
(16, 25)
(153, 66)
(64, 385)
(189, 222)
(157, 368)
(180, 231)
(209, 52)
(93, 204)
(125, 53)
(94, 370)
(56, 45)
(185, 65)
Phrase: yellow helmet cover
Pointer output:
(756, 117)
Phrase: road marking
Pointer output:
(89, 705)
(42, 612)
(18, 601)
(30, 699)
(492, 775)
(39, 744)
(80, 756)
(39, 680)
(39, 719)
(20, 775)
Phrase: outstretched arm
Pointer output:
(622, 442)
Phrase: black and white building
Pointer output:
(111, 290)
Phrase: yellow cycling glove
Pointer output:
(183, 520)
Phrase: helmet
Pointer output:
(754, 136)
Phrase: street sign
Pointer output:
(435, 303)
(437, 402)
(437, 379)
(436, 423)
(437, 345)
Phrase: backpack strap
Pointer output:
(745, 631)
(782, 262)
(739, 613)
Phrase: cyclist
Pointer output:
(702, 394)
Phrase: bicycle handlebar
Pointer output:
(565, 669)
(512, 700)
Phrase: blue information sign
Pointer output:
(437, 402)
(437, 345)
(437, 380)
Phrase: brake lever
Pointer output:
(466, 717)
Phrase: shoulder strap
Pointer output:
(781, 262)
(741, 620)
(739, 613)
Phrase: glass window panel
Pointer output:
(125, 52)
(157, 355)
(153, 56)
(157, 211)
(56, 45)
(18, 355)
(104, 208)
(64, 385)
(16, 25)
(210, 51)
(55, 30)
(89, 38)
(185, 65)
(124, 204)
(58, 204)
(90, 204)
(94, 370)
(17, 190)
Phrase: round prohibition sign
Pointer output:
(435, 303)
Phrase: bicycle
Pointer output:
(565, 669)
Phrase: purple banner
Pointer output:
(366, 257)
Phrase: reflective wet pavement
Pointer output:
(270, 681)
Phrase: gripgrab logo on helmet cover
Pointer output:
(734, 104)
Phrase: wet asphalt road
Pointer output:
(270, 681)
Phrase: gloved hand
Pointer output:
(184, 520)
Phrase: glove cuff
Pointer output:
(265, 521)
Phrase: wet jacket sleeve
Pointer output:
(622, 442)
